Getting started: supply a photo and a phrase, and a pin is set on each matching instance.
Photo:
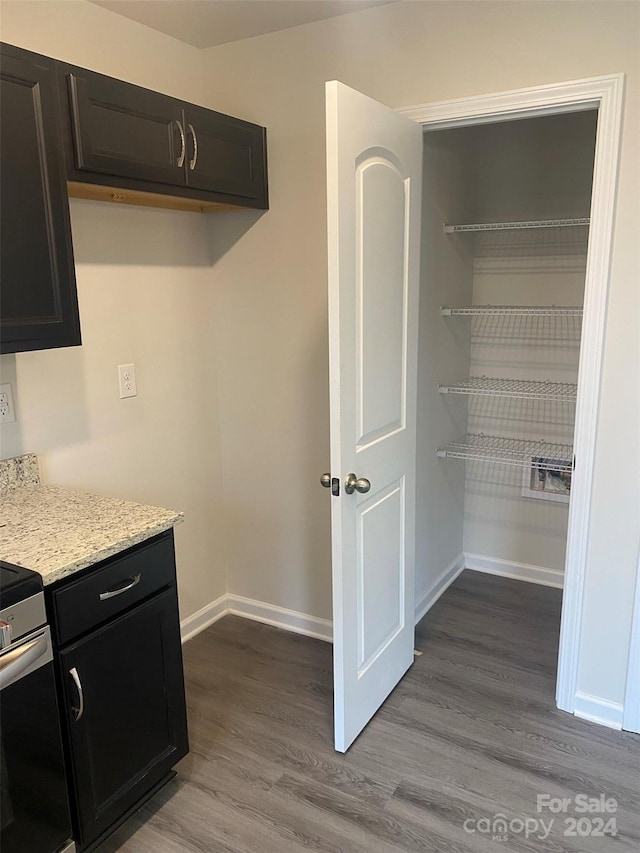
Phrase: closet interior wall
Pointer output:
(526, 170)
(446, 275)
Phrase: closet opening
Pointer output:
(505, 232)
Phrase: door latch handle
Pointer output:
(356, 484)
(332, 483)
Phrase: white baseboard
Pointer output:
(517, 571)
(259, 611)
(442, 583)
(598, 710)
(280, 617)
(322, 629)
(202, 618)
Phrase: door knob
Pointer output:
(325, 481)
(356, 484)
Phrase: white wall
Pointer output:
(443, 354)
(272, 309)
(145, 291)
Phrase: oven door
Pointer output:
(34, 809)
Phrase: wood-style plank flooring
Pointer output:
(471, 731)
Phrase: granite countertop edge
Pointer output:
(97, 556)
(57, 531)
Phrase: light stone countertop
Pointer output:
(57, 531)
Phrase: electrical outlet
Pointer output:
(127, 380)
(7, 412)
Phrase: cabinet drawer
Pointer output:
(111, 588)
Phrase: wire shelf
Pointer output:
(513, 311)
(483, 386)
(542, 455)
(516, 226)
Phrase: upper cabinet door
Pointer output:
(225, 155)
(125, 130)
(38, 301)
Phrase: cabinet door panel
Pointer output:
(225, 155)
(132, 729)
(38, 301)
(124, 130)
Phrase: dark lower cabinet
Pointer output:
(122, 693)
(38, 300)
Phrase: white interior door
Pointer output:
(374, 160)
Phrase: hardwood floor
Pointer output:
(471, 731)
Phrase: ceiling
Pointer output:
(205, 23)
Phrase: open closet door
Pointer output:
(374, 160)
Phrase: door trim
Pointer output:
(606, 94)
(631, 718)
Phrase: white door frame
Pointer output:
(606, 94)
(631, 718)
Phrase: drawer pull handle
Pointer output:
(79, 711)
(111, 593)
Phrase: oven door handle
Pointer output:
(18, 662)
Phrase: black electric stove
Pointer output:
(17, 583)
(34, 808)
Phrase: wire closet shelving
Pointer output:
(513, 311)
(483, 386)
(542, 455)
(516, 226)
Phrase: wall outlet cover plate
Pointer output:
(7, 411)
(127, 380)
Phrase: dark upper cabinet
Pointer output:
(225, 155)
(120, 129)
(38, 300)
(123, 136)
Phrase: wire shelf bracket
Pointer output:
(542, 455)
(484, 386)
(516, 226)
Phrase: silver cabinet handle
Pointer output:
(14, 663)
(79, 711)
(183, 143)
(194, 159)
(111, 593)
(356, 484)
(325, 481)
